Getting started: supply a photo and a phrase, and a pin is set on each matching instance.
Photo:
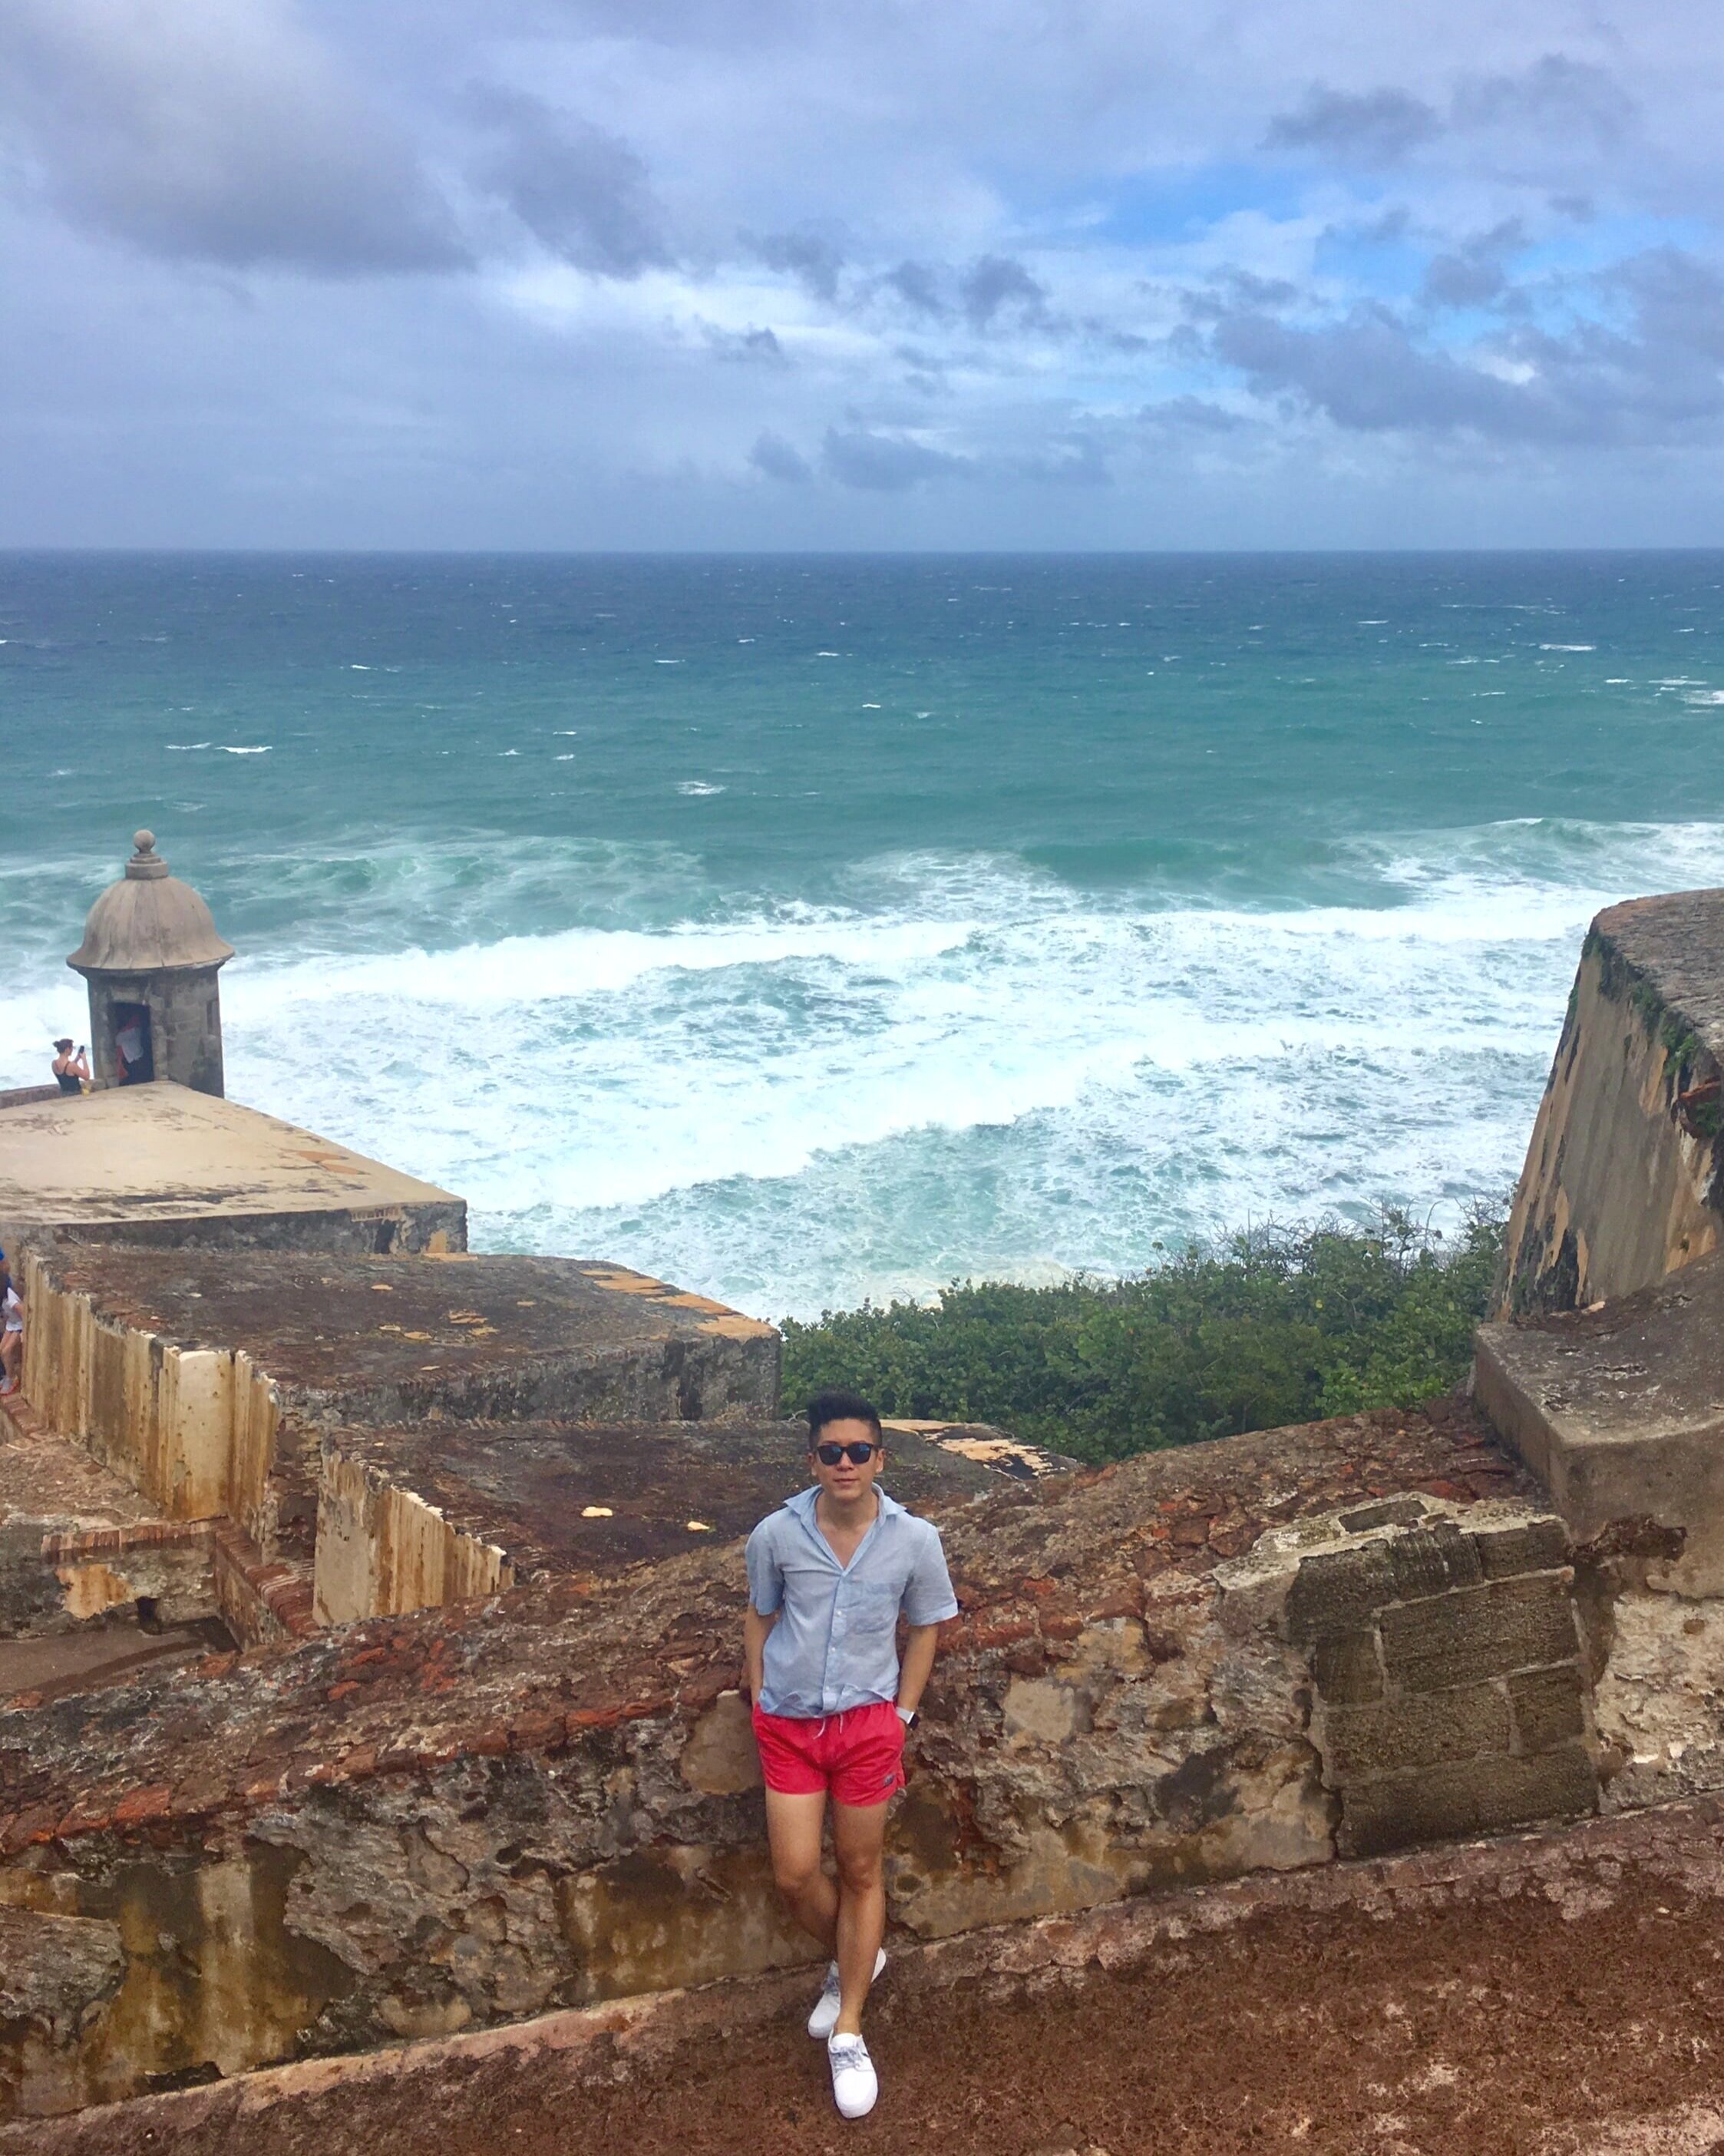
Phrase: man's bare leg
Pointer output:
(793, 1828)
(858, 1833)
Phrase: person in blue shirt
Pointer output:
(829, 1574)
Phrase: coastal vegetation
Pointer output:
(1273, 1324)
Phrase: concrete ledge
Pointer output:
(1619, 1411)
(177, 1367)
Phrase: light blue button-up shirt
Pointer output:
(835, 1645)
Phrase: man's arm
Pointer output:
(921, 1643)
(755, 1630)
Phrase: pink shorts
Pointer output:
(858, 1755)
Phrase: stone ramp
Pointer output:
(1555, 1994)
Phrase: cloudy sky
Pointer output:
(860, 273)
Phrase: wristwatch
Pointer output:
(909, 1717)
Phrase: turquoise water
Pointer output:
(805, 929)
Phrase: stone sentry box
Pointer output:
(150, 953)
(1449, 1694)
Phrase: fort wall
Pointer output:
(1625, 1177)
(1236, 1658)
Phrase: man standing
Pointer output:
(828, 1573)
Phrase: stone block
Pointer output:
(1336, 1589)
(1389, 1512)
(1539, 1546)
(1347, 1668)
(1549, 1708)
(410, 1516)
(1480, 1632)
(1429, 1729)
(1430, 1560)
(1477, 1796)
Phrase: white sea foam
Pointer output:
(1020, 1077)
(698, 787)
(970, 1067)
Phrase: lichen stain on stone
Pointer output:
(213, 1979)
(91, 1588)
(661, 1917)
(720, 1759)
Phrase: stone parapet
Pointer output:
(162, 1164)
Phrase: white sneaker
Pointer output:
(856, 2085)
(825, 2018)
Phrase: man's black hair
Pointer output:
(836, 1406)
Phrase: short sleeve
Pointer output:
(766, 1575)
(928, 1598)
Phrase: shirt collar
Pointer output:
(802, 1504)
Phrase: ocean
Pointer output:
(805, 929)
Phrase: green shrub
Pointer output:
(1273, 1325)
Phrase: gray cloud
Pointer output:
(581, 191)
(1474, 274)
(916, 285)
(1371, 127)
(774, 458)
(1590, 386)
(1554, 100)
(885, 464)
(226, 135)
(813, 260)
(752, 347)
(1555, 94)
(997, 285)
(1190, 415)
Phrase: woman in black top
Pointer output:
(72, 1071)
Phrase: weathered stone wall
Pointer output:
(437, 1227)
(430, 1822)
(191, 1427)
(381, 1549)
(1623, 1182)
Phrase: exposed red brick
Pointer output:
(151, 1802)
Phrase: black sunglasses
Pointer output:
(858, 1455)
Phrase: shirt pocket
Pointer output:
(872, 1611)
